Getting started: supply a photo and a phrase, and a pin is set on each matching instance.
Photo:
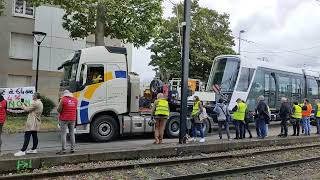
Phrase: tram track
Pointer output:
(173, 165)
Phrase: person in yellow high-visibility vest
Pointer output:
(239, 114)
(197, 124)
(296, 118)
(301, 120)
(160, 111)
(317, 114)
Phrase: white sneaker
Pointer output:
(30, 151)
(192, 140)
(202, 140)
(20, 153)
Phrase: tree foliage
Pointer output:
(133, 21)
(1, 7)
(210, 37)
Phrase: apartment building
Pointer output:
(18, 49)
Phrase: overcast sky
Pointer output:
(284, 31)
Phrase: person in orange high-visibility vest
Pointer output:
(306, 114)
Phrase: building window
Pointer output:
(18, 81)
(23, 8)
(21, 46)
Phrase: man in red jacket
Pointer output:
(67, 109)
(3, 113)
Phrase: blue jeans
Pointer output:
(267, 129)
(199, 127)
(261, 125)
(318, 125)
(239, 125)
(307, 126)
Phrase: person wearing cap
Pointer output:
(32, 125)
(239, 113)
(67, 110)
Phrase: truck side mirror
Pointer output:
(84, 74)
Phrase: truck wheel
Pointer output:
(173, 127)
(104, 128)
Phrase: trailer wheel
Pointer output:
(173, 127)
(104, 128)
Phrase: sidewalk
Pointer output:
(48, 159)
(142, 148)
(50, 141)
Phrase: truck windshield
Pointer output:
(223, 75)
(70, 67)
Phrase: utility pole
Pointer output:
(240, 32)
(185, 71)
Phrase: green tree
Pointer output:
(133, 21)
(1, 7)
(210, 37)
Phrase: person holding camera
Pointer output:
(32, 125)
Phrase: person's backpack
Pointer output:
(228, 117)
(203, 115)
(267, 114)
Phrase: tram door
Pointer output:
(270, 90)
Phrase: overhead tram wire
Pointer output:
(284, 50)
(302, 49)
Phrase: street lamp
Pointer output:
(39, 37)
(240, 32)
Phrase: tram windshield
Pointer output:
(223, 75)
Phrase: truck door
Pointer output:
(91, 78)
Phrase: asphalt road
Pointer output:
(51, 141)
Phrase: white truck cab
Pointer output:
(108, 95)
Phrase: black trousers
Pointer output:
(247, 128)
(296, 126)
(240, 129)
(284, 126)
(27, 136)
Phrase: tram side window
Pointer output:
(296, 92)
(257, 89)
(312, 88)
(245, 79)
(284, 86)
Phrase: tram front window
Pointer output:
(224, 74)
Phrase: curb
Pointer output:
(17, 164)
